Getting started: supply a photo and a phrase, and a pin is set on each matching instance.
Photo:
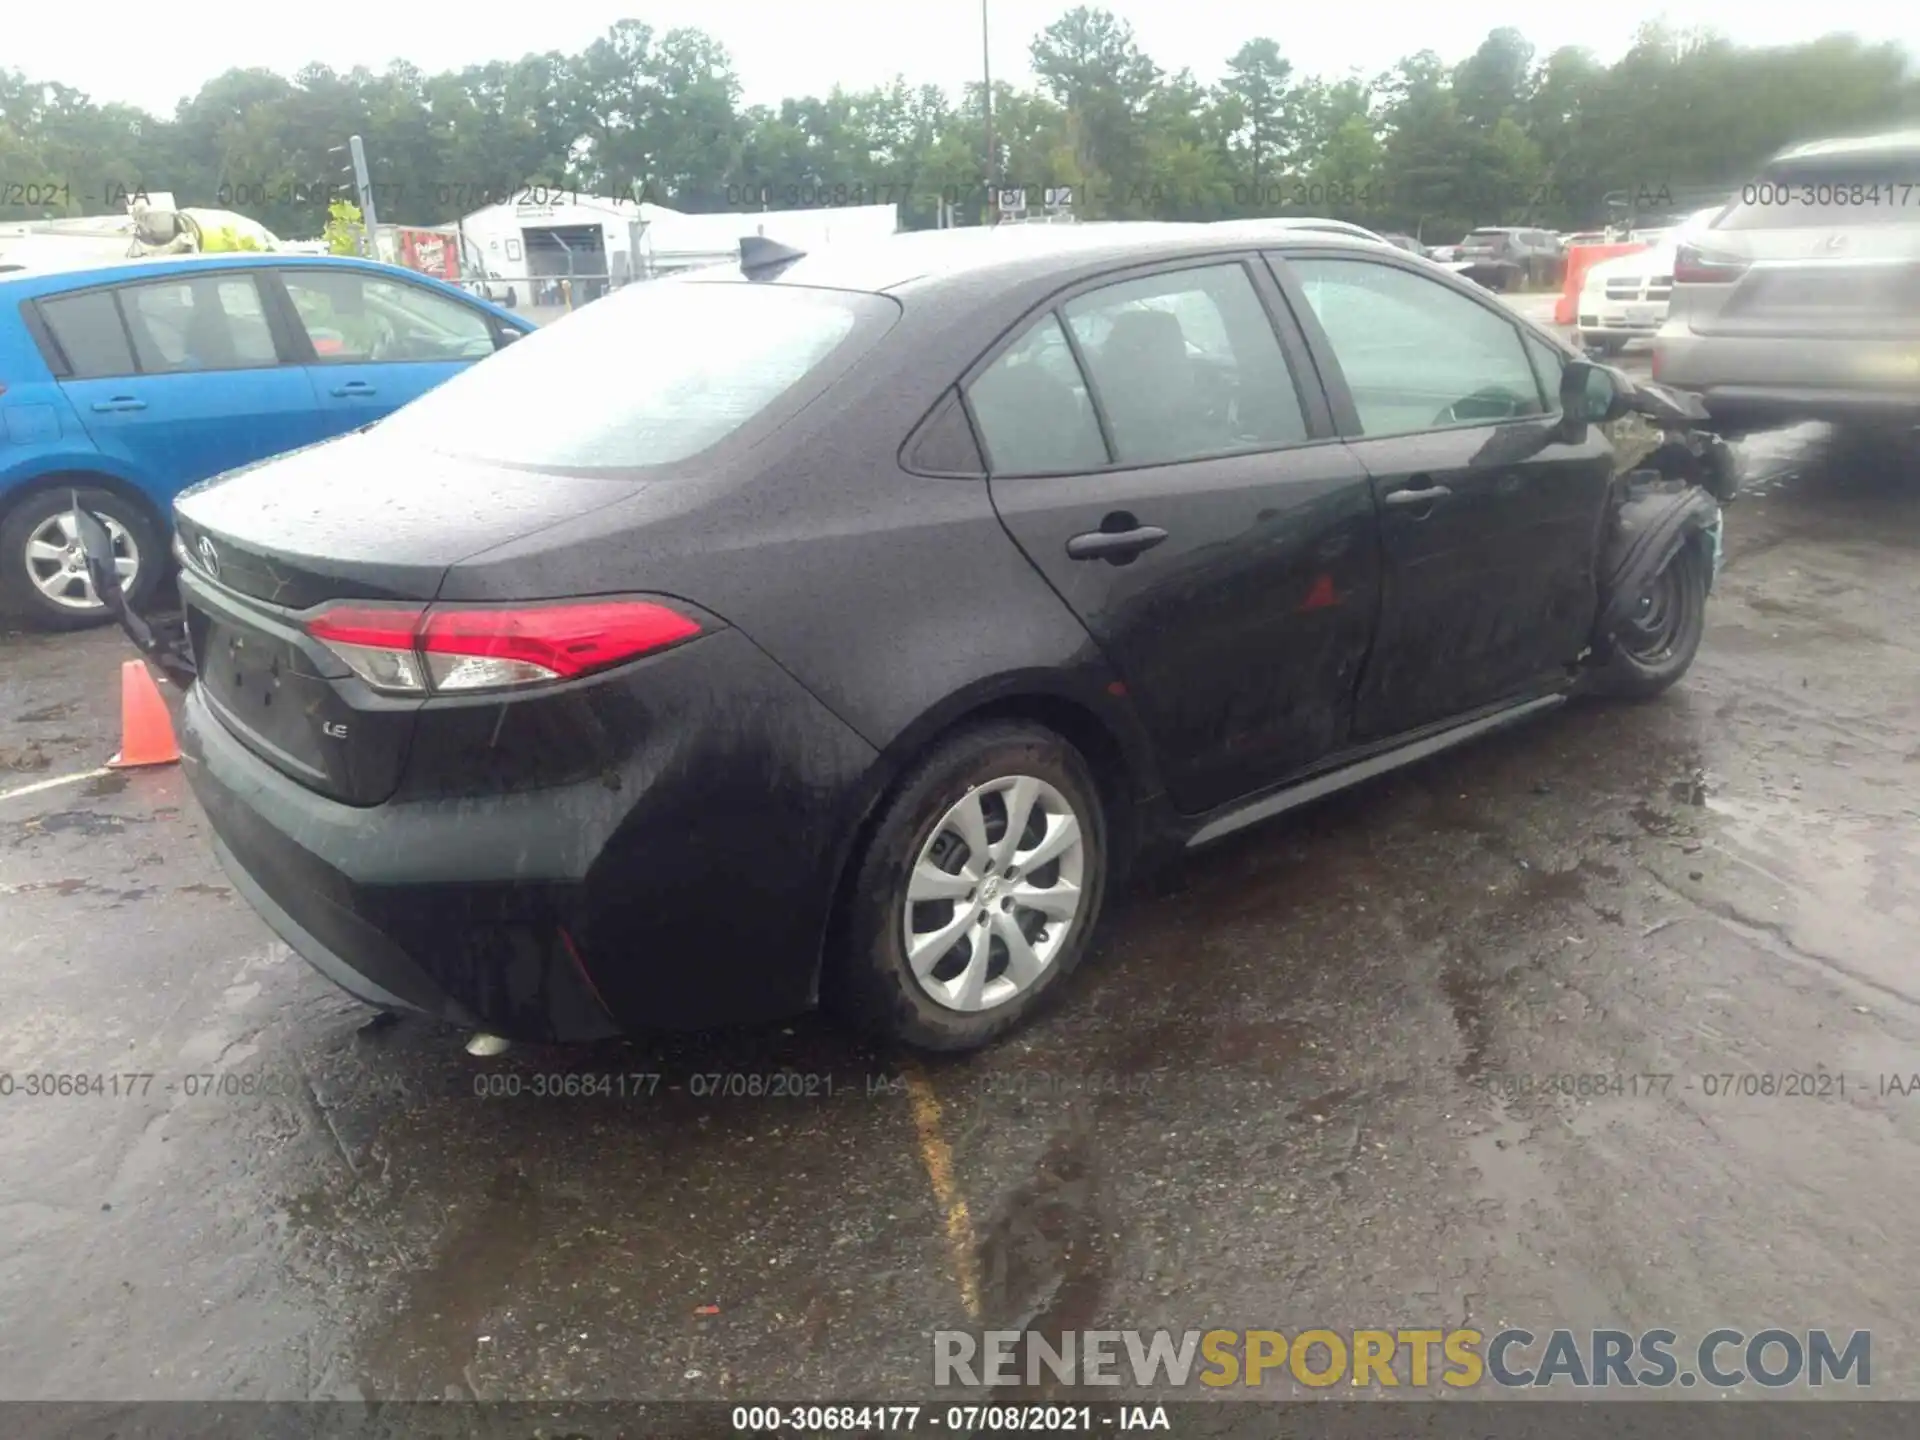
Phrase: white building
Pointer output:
(672, 240)
(528, 248)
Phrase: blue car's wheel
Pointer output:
(43, 574)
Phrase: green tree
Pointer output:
(1262, 116)
(1498, 137)
(1089, 63)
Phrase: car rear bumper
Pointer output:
(691, 888)
(1779, 379)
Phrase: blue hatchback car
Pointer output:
(130, 382)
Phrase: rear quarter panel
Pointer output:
(40, 434)
(898, 600)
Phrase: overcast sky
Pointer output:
(154, 52)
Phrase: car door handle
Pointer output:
(117, 403)
(1117, 546)
(1417, 497)
(352, 387)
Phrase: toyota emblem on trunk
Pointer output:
(209, 557)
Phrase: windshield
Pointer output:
(652, 374)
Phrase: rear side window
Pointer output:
(1032, 407)
(1186, 365)
(1812, 196)
(202, 322)
(87, 329)
(650, 375)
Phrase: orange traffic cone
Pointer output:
(146, 729)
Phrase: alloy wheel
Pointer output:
(994, 894)
(57, 564)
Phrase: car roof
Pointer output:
(918, 258)
(29, 282)
(1890, 144)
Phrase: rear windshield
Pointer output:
(652, 374)
(1814, 195)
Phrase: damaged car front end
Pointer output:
(1671, 499)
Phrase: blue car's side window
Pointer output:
(353, 318)
(198, 322)
(87, 328)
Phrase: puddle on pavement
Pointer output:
(1843, 880)
(88, 824)
(424, 1351)
(47, 713)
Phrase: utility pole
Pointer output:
(361, 183)
(362, 192)
(986, 100)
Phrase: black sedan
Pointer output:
(842, 627)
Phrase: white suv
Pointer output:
(1626, 297)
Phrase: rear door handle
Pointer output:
(119, 402)
(1417, 497)
(1117, 546)
(352, 387)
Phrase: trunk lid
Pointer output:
(363, 518)
(354, 519)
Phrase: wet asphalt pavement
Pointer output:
(1290, 1087)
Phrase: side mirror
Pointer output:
(1592, 394)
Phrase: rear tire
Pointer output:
(1656, 647)
(966, 991)
(27, 576)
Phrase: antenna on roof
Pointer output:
(761, 257)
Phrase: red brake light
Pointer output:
(411, 649)
(1694, 266)
(565, 640)
(381, 627)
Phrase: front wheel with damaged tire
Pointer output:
(976, 893)
(1656, 643)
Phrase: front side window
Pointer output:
(1417, 354)
(1186, 365)
(199, 322)
(364, 319)
(651, 375)
(88, 331)
(1032, 408)
(1548, 364)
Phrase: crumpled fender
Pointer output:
(1652, 522)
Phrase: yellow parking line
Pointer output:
(58, 780)
(938, 1158)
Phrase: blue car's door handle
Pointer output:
(119, 402)
(352, 387)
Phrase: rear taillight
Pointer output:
(416, 650)
(1694, 266)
